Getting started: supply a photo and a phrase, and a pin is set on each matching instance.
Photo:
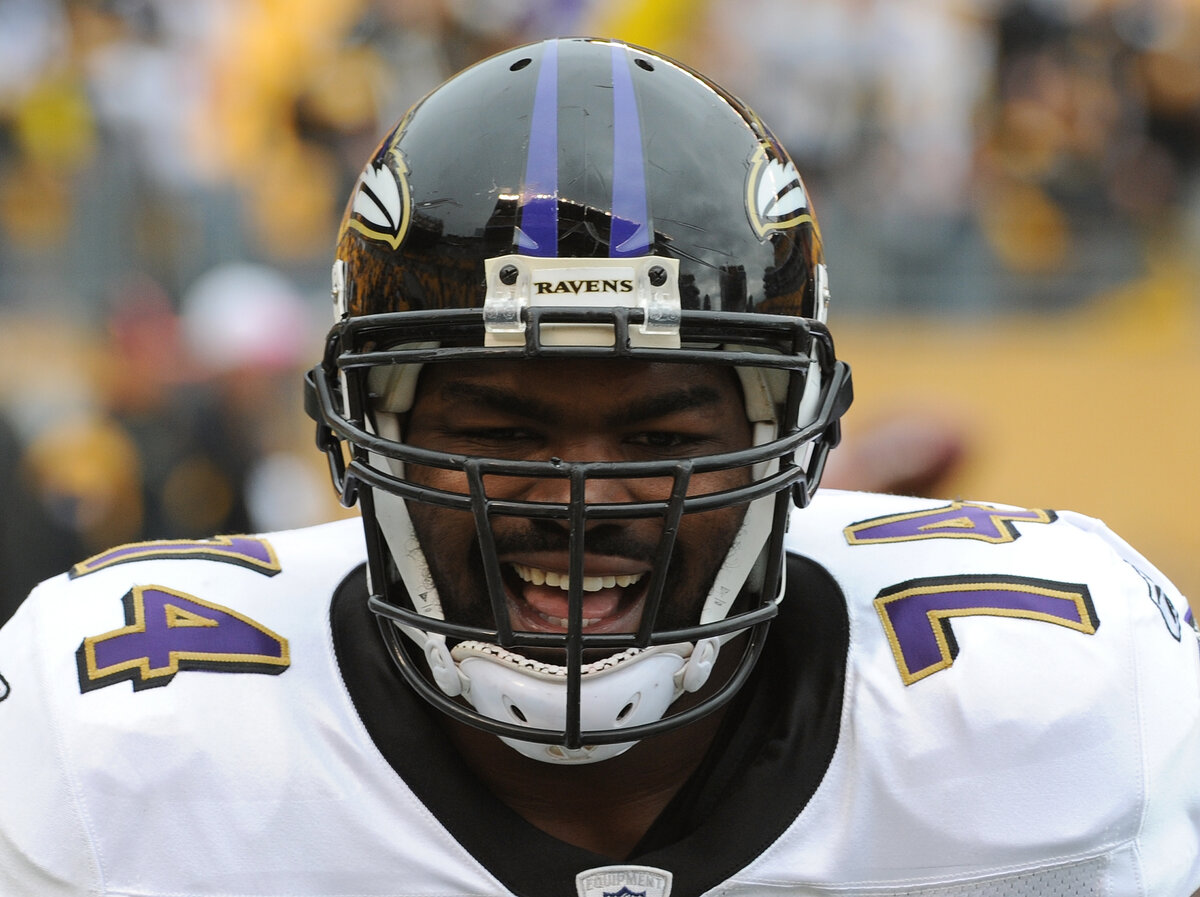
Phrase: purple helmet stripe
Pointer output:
(538, 233)
(630, 232)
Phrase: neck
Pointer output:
(604, 807)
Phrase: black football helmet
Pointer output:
(577, 198)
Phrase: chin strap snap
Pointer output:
(442, 666)
(700, 665)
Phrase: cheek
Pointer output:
(431, 519)
(705, 538)
(709, 534)
(700, 548)
(445, 534)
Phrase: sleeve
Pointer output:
(1166, 673)
(1074, 721)
(44, 846)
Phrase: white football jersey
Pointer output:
(1017, 713)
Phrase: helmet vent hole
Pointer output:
(515, 711)
(626, 710)
(519, 64)
(645, 64)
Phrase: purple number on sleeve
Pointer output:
(168, 631)
(245, 551)
(957, 520)
(916, 615)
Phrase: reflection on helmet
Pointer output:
(577, 199)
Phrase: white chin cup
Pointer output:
(630, 689)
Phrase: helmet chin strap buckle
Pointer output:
(442, 667)
(700, 665)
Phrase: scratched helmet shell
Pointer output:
(577, 197)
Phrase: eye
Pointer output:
(672, 442)
(660, 439)
(500, 433)
(498, 436)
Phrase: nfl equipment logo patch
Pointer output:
(623, 881)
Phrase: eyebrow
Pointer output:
(647, 408)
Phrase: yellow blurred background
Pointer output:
(1096, 410)
(1009, 192)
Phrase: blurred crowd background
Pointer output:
(1009, 192)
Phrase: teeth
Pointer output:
(561, 622)
(539, 577)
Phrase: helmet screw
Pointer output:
(657, 276)
(508, 275)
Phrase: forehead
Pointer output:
(579, 383)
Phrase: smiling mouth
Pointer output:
(611, 603)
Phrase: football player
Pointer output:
(597, 633)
